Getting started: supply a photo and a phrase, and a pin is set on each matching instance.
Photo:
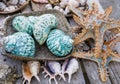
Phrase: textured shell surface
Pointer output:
(21, 44)
(43, 26)
(33, 19)
(59, 43)
(22, 24)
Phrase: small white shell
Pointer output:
(34, 68)
(29, 70)
(52, 69)
(70, 66)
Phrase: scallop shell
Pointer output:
(59, 43)
(22, 24)
(20, 44)
(43, 26)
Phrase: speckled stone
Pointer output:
(59, 43)
(43, 26)
(20, 44)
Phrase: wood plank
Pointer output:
(114, 72)
(92, 73)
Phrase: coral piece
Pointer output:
(43, 26)
(29, 70)
(41, 1)
(7, 74)
(52, 69)
(20, 44)
(70, 66)
(22, 24)
(59, 43)
(95, 25)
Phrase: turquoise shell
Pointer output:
(22, 24)
(43, 26)
(20, 44)
(59, 43)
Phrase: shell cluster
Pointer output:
(43, 28)
(63, 5)
(50, 68)
(10, 5)
(54, 68)
(20, 44)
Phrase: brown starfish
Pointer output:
(94, 26)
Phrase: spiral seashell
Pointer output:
(70, 66)
(29, 70)
(22, 24)
(53, 69)
(43, 26)
(59, 43)
(20, 44)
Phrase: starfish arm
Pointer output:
(83, 36)
(112, 25)
(85, 55)
(107, 12)
(76, 11)
(115, 59)
(103, 73)
(98, 41)
(114, 54)
(78, 20)
(102, 66)
(114, 40)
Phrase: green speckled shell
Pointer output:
(22, 24)
(59, 43)
(20, 44)
(43, 26)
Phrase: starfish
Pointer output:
(95, 26)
